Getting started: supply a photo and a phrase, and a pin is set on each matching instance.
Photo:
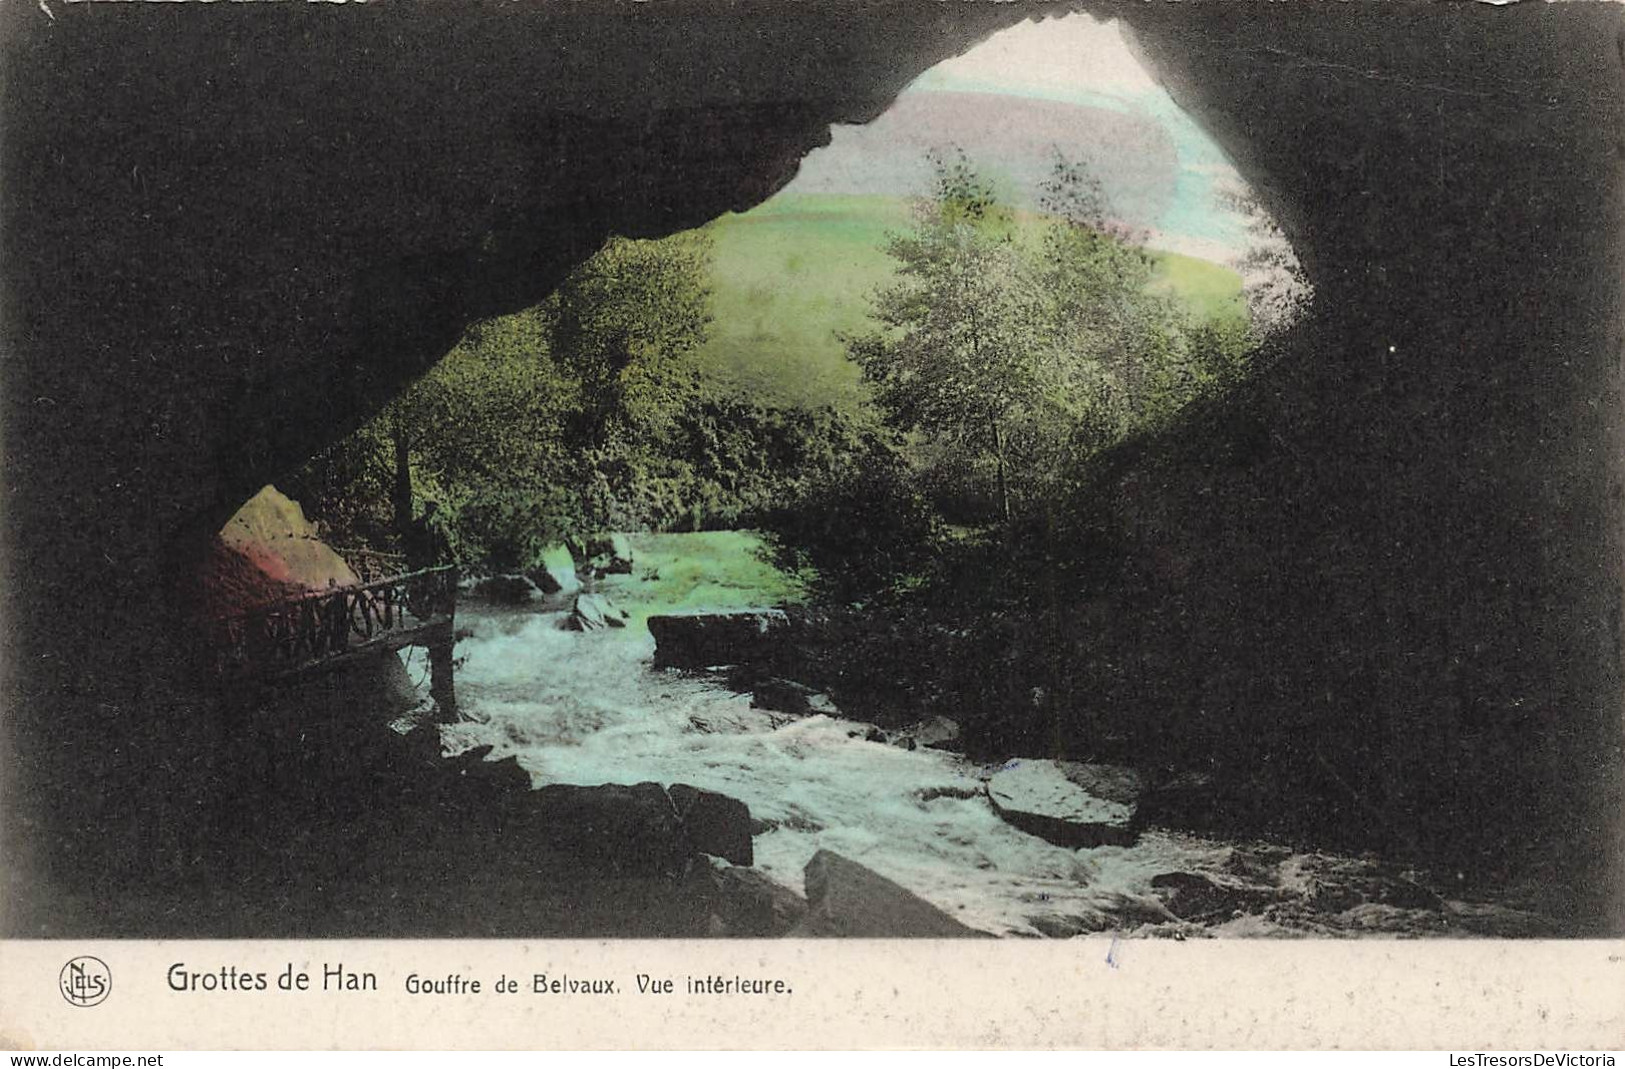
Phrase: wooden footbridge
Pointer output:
(326, 629)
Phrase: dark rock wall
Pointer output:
(232, 231)
(1401, 579)
(232, 234)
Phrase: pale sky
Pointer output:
(1072, 60)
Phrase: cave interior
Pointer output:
(233, 232)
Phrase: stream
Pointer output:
(589, 708)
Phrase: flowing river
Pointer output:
(588, 708)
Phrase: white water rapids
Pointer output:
(589, 708)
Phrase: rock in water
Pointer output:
(715, 824)
(1068, 803)
(504, 776)
(609, 555)
(557, 572)
(1186, 799)
(639, 830)
(1193, 896)
(593, 612)
(611, 827)
(781, 696)
(507, 590)
(757, 908)
(846, 899)
(620, 556)
(705, 639)
(788, 696)
(937, 732)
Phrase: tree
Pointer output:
(957, 351)
(480, 433)
(481, 410)
(1119, 344)
(1273, 283)
(622, 325)
(489, 424)
(585, 413)
(1031, 344)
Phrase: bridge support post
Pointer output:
(441, 688)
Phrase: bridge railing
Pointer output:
(327, 623)
(371, 565)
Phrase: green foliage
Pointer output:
(1014, 352)
(956, 353)
(743, 457)
(1223, 351)
(622, 326)
(861, 529)
(537, 426)
(584, 414)
(1003, 350)
(794, 274)
(509, 527)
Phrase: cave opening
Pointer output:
(730, 421)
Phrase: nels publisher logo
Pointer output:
(85, 981)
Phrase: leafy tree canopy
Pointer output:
(1020, 346)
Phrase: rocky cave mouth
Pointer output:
(1418, 525)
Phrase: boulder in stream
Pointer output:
(788, 696)
(504, 776)
(611, 827)
(755, 907)
(715, 824)
(1069, 803)
(557, 572)
(593, 612)
(708, 639)
(639, 830)
(846, 899)
(608, 555)
(507, 590)
(1193, 896)
(937, 732)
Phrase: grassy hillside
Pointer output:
(1206, 288)
(792, 274)
(788, 277)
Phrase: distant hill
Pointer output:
(1012, 140)
(793, 273)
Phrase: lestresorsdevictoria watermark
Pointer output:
(1564, 1060)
